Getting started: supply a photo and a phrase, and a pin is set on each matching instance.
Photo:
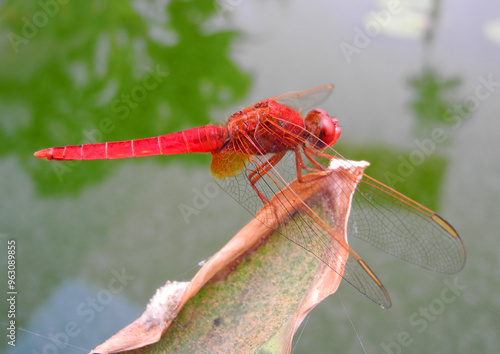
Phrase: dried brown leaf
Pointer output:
(254, 293)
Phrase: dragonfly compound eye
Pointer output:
(329, 130)
(320, 125)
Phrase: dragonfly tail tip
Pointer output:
(42, 154)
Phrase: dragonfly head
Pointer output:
(323, 130)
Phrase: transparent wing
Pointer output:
(400, 226)
(403, 228)
(315, 229)
(301, 101)
(379, 215)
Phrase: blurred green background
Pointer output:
(417, 95)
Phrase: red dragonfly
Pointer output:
(262, 148)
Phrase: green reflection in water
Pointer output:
(435, 108)
(433, 104)
(104, 71)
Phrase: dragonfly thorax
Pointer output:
(267, 127)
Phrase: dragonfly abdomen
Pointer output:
(202, 139)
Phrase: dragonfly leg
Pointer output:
(301, 165)
(261, 171)
(309, 156)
